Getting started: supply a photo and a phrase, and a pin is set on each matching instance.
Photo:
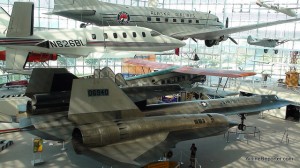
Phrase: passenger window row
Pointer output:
(199, 121)
(149, 19)
(124, 35)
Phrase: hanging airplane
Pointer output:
(20, 39)
(268, 42)
(277, 8)
(32, 57)
(105, 124)
(185, 76)
(180, 24)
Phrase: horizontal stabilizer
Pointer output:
(21, 22)
(75, 12)
(75, 7)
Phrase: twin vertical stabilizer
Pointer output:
(96, 100)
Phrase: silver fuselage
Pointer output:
(169, 22)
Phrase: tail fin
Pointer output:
(249, 39)
(95, 100)
(4, 20)
(47, 80)
(21, 21)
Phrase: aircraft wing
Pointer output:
(126, 154)
(212, 91)
(214, 72)
(191, 70)
(214, 33)
(149, 64)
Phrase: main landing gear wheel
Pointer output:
(83, 25)
(242, 126)
(276, 51)
(265, 50)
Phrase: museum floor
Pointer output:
(270, 151)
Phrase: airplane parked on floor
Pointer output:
(105, 124)
(180, 24)
(268, 42)
(277, 8)
(20, 39)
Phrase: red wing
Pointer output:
(191, 70)
(214, 72)
(149, 64)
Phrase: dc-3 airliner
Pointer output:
(20, 39)
(180, 24)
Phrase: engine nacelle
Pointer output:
(98, 134)
(110, 132)
(210, 43)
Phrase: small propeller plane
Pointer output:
(20, 39)
(180, 24)
(105, 124)
(185, 76)
(267, 42)
(288, 11)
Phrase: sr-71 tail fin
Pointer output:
(95, 100)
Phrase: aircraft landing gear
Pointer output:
(242, 126)
(83, 25)
(265, 50)
(276, 51)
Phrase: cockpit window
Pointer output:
(154, 33)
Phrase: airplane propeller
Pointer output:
(226, 26)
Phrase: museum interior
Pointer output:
(95, 90)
